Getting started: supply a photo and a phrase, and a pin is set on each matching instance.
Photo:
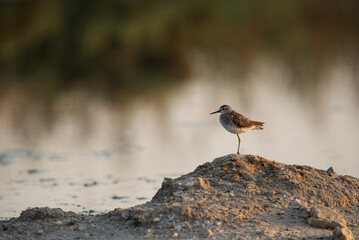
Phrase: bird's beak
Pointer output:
(216, 112)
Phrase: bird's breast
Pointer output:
(227, 124)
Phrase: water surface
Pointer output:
(91, 155)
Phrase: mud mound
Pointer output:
(235, 186)
(256, 179)
(241, 190)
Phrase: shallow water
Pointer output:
(92, 156)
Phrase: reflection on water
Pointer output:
(88, 154)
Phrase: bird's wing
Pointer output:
(241, 121)
(244, 122)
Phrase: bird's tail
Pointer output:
(259, 125)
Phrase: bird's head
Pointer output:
(223, 109)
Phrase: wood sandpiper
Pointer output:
(236, 123)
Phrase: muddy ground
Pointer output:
(232, 197)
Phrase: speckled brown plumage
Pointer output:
(236, 123)
(241, 121)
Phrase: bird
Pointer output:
(236, 123)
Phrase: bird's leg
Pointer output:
(239, 143)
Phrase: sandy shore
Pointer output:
(232, 197)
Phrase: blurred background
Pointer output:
(100, 100)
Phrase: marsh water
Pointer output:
(91, 155)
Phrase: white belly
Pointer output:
(232, 129)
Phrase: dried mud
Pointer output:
(232, 197)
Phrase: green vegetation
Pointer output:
(108, 46)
